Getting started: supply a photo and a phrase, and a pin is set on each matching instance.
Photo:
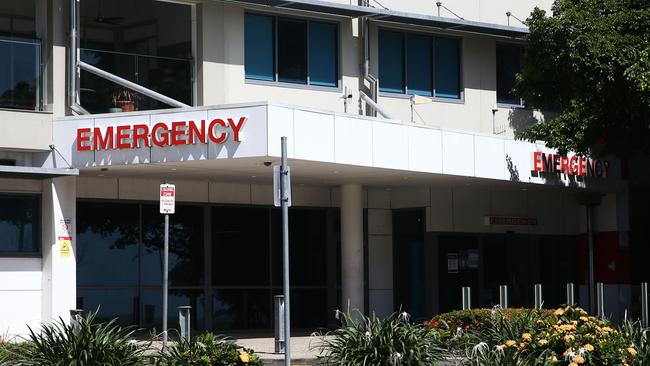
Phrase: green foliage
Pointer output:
(207, 350)
(566, 336)
(61, 344)
(590, 61)
(639, 338)
(373, 341)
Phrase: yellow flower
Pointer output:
(244, 356)
(542, 342)
(631, 351)
(578, 359)
(559, 312)
(573, 364)
(584, 318)
(569, 337)
(510, 343)
(526, 336)
(589, 347)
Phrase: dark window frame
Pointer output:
(505, 104)
(308, 85)
(38, 230)
(432, 37)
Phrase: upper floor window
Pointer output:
(509, 62)
(291, 50)
(19, 224)
(411, 63)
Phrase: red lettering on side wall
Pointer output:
(104, 142)
(236, 127)
(197, 132)
(164, 135)
(140, 133)
(222, 137)
(82, 136)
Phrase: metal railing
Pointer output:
(158, 82)
(21, 74)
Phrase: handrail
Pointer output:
(131, 85)
(374, 105)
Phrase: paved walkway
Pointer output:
(301, 350)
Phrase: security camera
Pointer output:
(268, 163)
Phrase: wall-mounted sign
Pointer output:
(510, 220)
(162, 134)
(452, 262)
(570, 165)
(65, 246)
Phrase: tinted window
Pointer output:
(259, 63)
(447, 68)
(185, 246)
(19, 73)
(391, 61)
(508, 65)
(322, 54)
(292, 51)
(420, 70)
(108, 238)
(19, 224)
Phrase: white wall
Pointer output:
(20, 295)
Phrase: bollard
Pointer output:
(503, 296)
(570, 294)
(467, 298)
(539, 299)
(185, 321)
(644, 305)
(600, 300)
(279, 323)
(75, 318)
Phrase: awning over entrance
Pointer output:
(387, 15)
(28, 172)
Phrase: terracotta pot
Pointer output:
(126, 105)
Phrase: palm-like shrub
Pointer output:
(89, 343)
(207, 350)
(373, 341)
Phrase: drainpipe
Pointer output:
(73, 89)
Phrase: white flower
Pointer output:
(499, 350)
(404, 316)
(570, 355)
(581, 351)
(337, 314)
(459, 332)
(368, 334)
(396, 358)
(479, 349)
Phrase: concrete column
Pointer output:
(352, 261)
(59, 248)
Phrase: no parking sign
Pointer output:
(167, 198)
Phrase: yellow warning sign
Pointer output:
(65, 243)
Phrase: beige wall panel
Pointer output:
(380, 222)
(470, 207)
(25, 130)
(261, 194)
(97, 187)
(311, 196)
(221, 192)
(546, 207)
(20, 185)
(192, 191)
(380, 262)
(378, 198)
(410, 197)
(509, 203)
(440, 214)
(139, 189)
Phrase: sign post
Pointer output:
(282, 198)
(167, 207)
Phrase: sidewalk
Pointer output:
(301, 354)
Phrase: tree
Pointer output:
(590, 62)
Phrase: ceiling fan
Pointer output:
(105, 20)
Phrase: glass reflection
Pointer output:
(107, 244)
(19, 73)
(121, 303)
(241, 309)
(185, 246)
(19, 224)
(152, 307)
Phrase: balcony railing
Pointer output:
(171, 77)
(20, 74)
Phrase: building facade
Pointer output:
(407, 182)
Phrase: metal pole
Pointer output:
(570, 294)
(600, 294)
(165, 281)
(284, 170)
(644, 305)
(539, 299)
(503, 296)
(279, 323)
(590, 238)
(467, 298)
(185, 321)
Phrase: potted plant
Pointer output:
(124, 99)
